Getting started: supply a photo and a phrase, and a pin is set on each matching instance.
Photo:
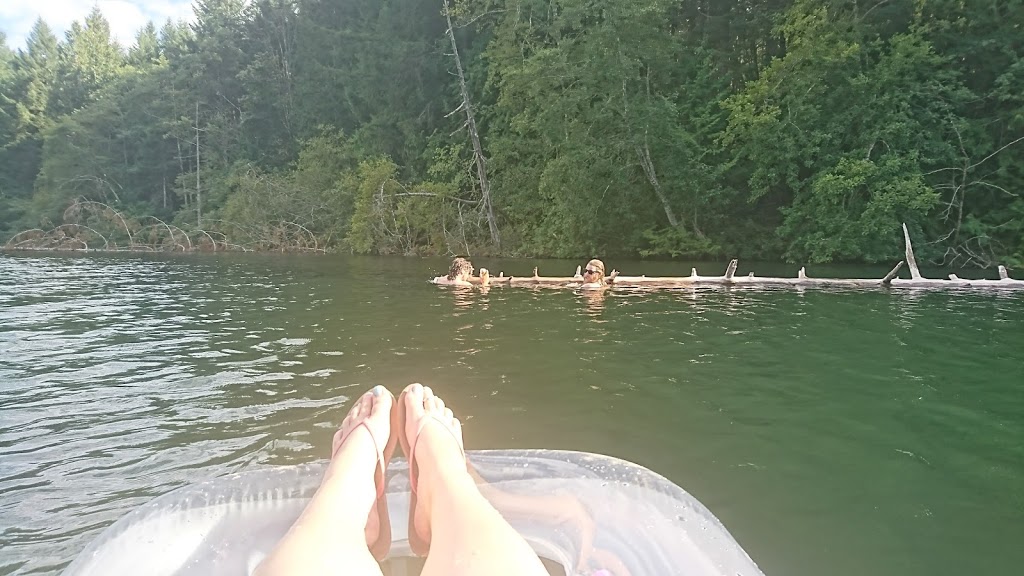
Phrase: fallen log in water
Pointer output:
(729, 278)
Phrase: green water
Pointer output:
(833, 432)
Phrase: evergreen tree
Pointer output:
(146, 50)
(798, 129)
(87, 61)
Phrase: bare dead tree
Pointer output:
(199, 196)
(643, 154)
(90, 207)
(474, 135)
(962, 178)
(102, 184)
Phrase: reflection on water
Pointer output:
(594, 300)
(841, 432)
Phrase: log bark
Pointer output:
(915, 273)
(729, 279)
(654, 282)
(892, 274)
(731, 269)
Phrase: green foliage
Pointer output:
(839, 133)
(676, 242)
(393, 218)
(146, 51)
(87, 62)
(374, 179)
(24, 116)
(805, 130)
(111, 151)
(307, 206)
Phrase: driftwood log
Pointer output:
(729, 278)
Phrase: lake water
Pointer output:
(833, 432)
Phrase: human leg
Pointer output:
(466, 534)
(333, 531)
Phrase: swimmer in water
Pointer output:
(593, 275)
(460, 273)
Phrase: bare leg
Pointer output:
(467, 535)
(332, 532)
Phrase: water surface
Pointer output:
(833, 432)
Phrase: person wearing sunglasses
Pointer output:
(593, 275)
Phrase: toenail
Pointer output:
(378, 390)
(416, 388)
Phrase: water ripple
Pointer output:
(841, 432)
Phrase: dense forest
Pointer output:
(804, 130)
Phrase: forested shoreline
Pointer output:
(803, 130)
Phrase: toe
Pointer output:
(381, 402)
(414, 399)
(414, 392)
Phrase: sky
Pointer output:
(125, 16)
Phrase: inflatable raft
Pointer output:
(584, 514)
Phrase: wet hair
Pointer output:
(458, 266)
(598, 265)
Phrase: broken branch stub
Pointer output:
(887, 280)
(731, 269)
(915, 273)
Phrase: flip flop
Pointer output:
(419, 544)
(382, 545)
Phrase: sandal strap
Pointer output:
(378, 474)
(413, 474)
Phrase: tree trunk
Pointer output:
(644, 154)
(915, 273)
(199, 195)
(478, 152)
(181, 170)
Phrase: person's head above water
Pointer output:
(461, 269)
(594, 272)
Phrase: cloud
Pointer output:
(125, 16)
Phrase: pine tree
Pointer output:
(88, 60)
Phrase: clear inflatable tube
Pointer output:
(586, 514)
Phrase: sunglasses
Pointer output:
(589, 271)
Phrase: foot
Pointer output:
(438, 451)
(365, 430)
